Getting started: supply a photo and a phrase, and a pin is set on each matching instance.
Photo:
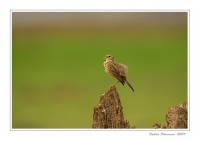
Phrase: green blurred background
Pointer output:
(57, 66)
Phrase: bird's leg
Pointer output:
(115, 83)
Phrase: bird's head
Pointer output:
(109, 57)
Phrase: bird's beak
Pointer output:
(104, 57)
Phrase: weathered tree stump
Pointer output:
(176, 117)
(109, 112)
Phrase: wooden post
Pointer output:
(109, 112)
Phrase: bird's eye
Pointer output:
(109, 56)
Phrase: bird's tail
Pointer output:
(129, 85)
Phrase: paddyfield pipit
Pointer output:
(116, 70)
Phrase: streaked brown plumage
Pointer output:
(117, 71)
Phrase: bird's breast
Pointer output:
(105, 66)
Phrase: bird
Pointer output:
(116, 70)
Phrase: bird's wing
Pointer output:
(123, 69)
(117, 72)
